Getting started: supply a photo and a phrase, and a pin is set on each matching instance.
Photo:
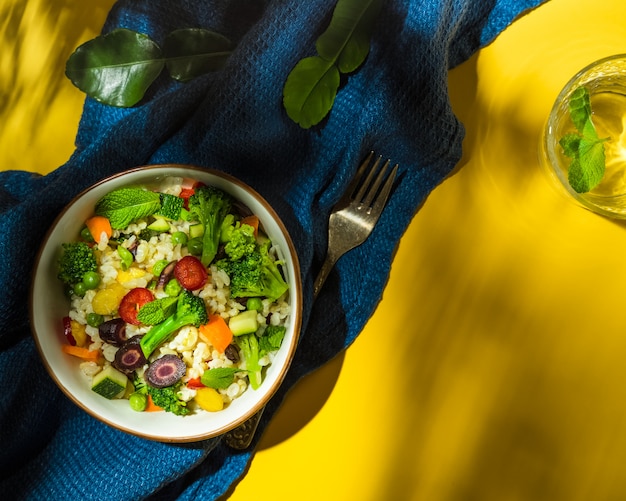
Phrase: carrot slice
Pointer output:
(97, 225)
(151, 406)
(80, 352)
(253, 221)
(217, 332)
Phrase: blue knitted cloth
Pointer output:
(233, 120)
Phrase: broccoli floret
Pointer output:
(209, 206)
(167, 398)
(249, 345)
(255, 275)
(77, 259)
(190, 310)
(228, 225)
(241, 241)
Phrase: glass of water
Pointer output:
(604, 82)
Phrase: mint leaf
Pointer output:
(125, 205)
(271, 339)
(586, 149)
(219, 378)
(157, 311)
(570, 143)
(580, 107)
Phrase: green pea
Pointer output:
(79, 289)
(179, 237)
(91, 280)
(194, 246)
(159, 266)
(94, 319)
(173, 288)
(254, 303)
(138, 401)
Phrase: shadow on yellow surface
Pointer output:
(39, 108)
(303, 404)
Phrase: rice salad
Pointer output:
(177, 297)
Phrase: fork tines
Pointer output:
(371, 191)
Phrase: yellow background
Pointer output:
(493, 369)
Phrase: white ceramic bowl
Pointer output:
(49, 306)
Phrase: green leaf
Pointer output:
(588, 166)
(116, 68)
(157, 311)
(346, 41)
(310, 90)
(271, 339)
(569, 143)
(219, 378)
(586, 149)
(311, 86)
(125, 205)
(192, 52)
(580, 108)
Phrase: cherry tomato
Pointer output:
(131, 303)
(190, 273)
(195, 383)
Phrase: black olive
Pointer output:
(113, 331)
(165, 371)
(241, 209)
(130, 356)
(232, 353)
(166, 274)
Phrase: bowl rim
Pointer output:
(295, 285)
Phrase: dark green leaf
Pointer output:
(116, 68)
(310, 90)
(192, 52)
(346, 41)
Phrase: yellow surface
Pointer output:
(493, 369)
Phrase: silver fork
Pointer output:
(351, 221)
(353, 217)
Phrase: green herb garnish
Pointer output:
(119, 67)
(585, 148)
(157, 311)
(219, 378)
(125, 205)
(311, 87)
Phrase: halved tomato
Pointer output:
(131, 303)
(190, 273)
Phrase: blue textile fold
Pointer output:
(233, 120)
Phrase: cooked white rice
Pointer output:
(187, 343)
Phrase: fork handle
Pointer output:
(329, 262)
